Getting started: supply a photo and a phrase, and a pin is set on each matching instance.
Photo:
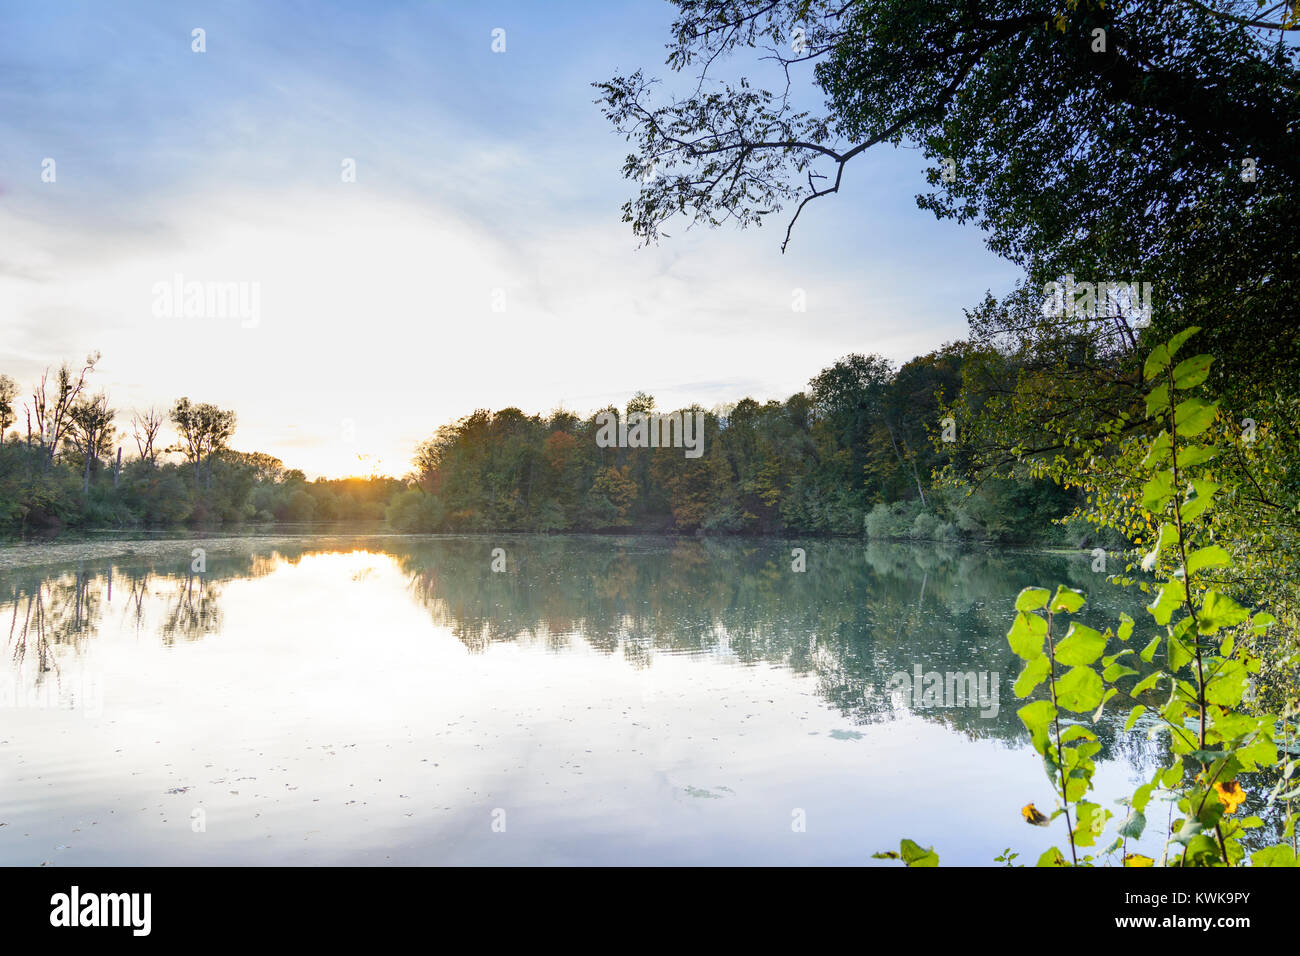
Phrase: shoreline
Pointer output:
(105, 545)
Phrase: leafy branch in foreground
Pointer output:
(1201, 674)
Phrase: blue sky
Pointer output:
(478, 174)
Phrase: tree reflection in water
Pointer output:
(858, 614)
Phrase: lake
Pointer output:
(386, 699)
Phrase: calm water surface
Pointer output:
(393, 700)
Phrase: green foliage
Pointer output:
(413, 510)
(855, 453)
(1124, 162)
(911, 854)
(77, 489)
(1218, 744)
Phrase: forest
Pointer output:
(861, 451)
(69, 467)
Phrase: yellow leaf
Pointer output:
(1230, 795)
(1031, 815)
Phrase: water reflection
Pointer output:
(857, 616)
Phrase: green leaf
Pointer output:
(915, 855)
(1146, 683)
(1189, 455)
(1172, 775)
(1076, 732)
(1133, 824)
(1156, 362)
(1228, 684)
(1163, 354)
(1158, 451)
(1081, 645)
(1114, 672)
(1079, 690)
(1147, 653)
(1157, 399)
(1193, 371)
(1067, 599)
(1031, 676)
(1218, 611)
(1260, 622)
(1037, 718)
(1229, 724)
(1199, 493)
(1089, 823)
(1125, 627)
(1180, 655)
(1193, 416)
(1261, 753)
(1031, 599)
(1053, 857)
(1279, 855)
(1168, 535)
(1133, 716)
(1202, 850)
(1026, 635)
(1174, 712)
(1038, 715)
(1168, 599)
(1210, 557)
(1187, 832)
(1158, 490)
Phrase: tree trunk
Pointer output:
(901, 461)
(919, 489)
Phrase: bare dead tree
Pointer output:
(144, 428)
(54, 412)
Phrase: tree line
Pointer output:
(67, 465)
(860, 450)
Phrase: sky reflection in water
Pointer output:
(383, 699)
